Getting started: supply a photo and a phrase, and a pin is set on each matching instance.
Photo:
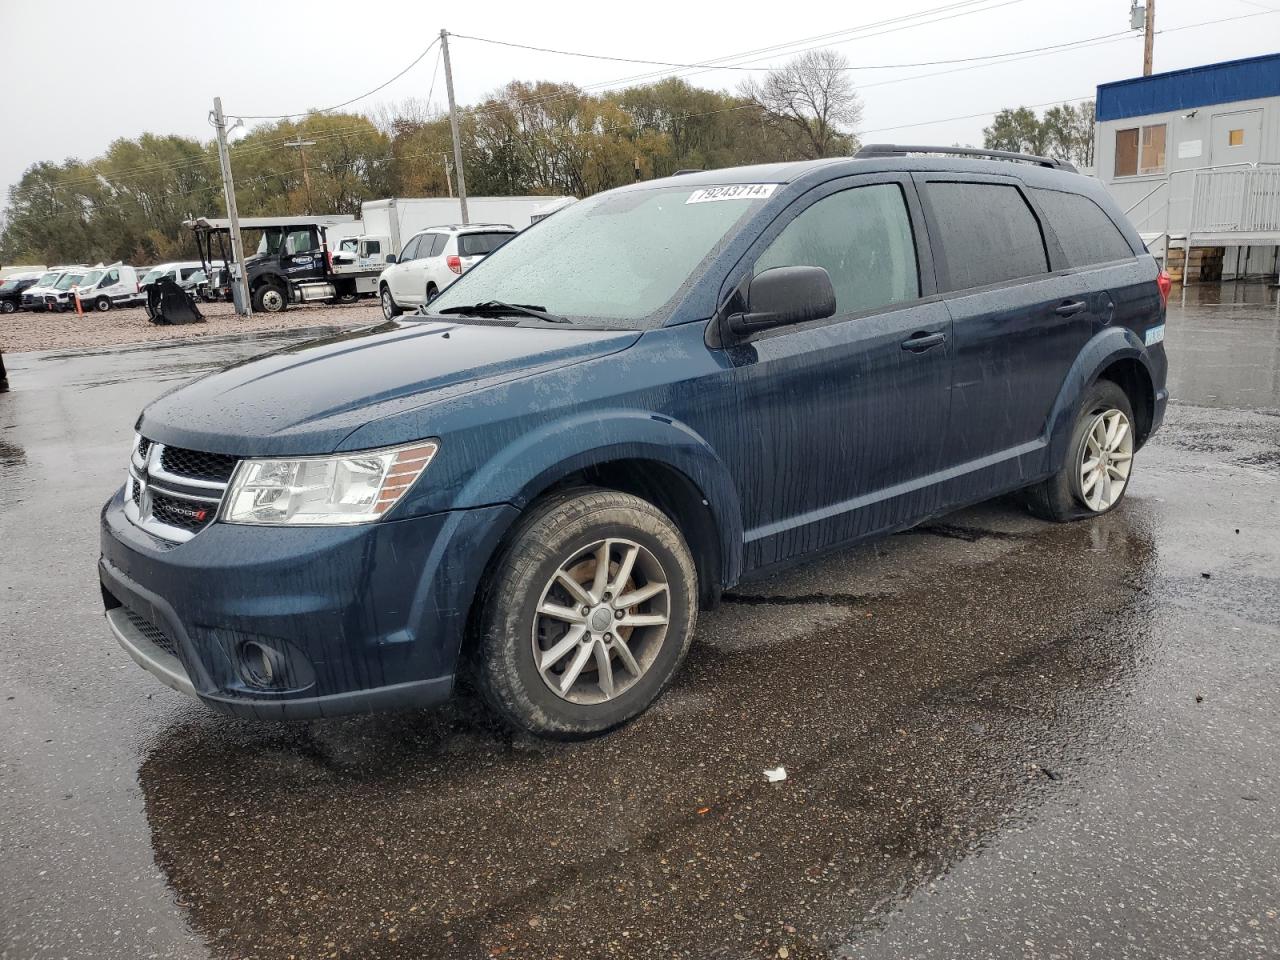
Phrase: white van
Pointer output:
(102, 288)
(33, 296)
(186, 274)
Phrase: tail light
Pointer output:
(454, 262)
(1166, 286)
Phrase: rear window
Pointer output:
(988, 234)
(479, 244)
(1086, 233)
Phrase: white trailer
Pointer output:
(399, 218)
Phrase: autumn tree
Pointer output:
(813, 101)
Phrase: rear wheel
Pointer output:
(591, 608)
(432, 292)
(102, 304)
(390, 309)
(1095, 476)
(269, 299)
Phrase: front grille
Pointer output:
(152, 632)
(198, 466)
(182, 514)
(175, 493)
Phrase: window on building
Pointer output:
(1140, 150)
(1236, 138)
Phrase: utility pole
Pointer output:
(244, 307)
(453, 125)
(306, 177)
(1148, 48)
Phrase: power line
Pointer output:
(877, 66)
(337, 106)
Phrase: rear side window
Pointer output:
(1087, 235)
(438, 242)
(862, 238)
(988, 233)
(479, 244)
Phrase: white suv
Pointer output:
(433, 259)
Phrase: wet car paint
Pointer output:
(1002, 738)
(794, 441)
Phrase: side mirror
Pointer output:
(391, 258)
(783, 296)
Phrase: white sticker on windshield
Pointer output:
(737, 191)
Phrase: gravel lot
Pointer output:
(22, 332)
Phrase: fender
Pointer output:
(1106, 347)
(538, 460)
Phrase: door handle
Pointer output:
(1070, 308)
(920, 342)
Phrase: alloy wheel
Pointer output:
(1106, 457)
(601, 621)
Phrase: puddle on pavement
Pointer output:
(914, 728)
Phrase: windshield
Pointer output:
(618, 256)
(90, 278)
(68, 281)
(153, 275)
(46, 280)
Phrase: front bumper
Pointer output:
(358, 619)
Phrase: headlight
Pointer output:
(344, 488)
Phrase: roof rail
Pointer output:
(873, 150)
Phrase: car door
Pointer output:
(844, 417)
(398, 278)
(1017, 325)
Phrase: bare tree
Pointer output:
(812, 99)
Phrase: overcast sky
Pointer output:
(79, 75)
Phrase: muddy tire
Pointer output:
(1095, 475)
(589, 610)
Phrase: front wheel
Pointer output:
(390, 309)
(269, 299)
(1095, 476)
(591, 610)
(8, 306)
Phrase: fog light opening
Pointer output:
(262, 666)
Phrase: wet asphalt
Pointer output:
(1002, 738)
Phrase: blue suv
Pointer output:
(634, 405)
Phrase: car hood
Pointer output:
(306, 398)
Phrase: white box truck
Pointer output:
(399, 218)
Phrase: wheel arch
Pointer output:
(1115, 354)
(648, 455)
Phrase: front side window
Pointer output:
(617, 258)
(373, 248)
(410, 251)
(298, 241)
(1140, 150)
(862, 238)
(988, 234)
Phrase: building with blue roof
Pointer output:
(1194, 156)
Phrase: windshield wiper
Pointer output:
(497, 308)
